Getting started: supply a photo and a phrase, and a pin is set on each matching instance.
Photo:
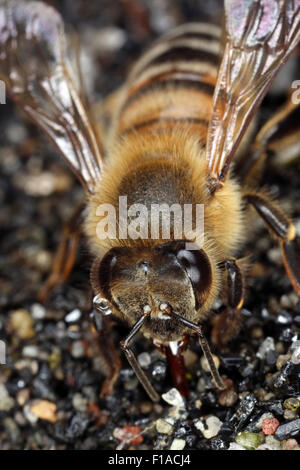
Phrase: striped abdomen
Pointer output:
(173, 83)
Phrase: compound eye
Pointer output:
(198, 268)
(101, 276)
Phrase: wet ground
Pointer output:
(50, 384)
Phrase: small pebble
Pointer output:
(190, 358)
(130, 434)
(272, 442)
(228, 398)
(73, 316)
(131, 384)
(44, 409)
(288, 429)
(144, 359)
(235, 446)
(257, 332)
(279, 347)
(23, 396)
(6, 402)
(30, 351)
(266, 346)
(285, 301)
(282, 360)
(38, 311)
(289, 415)
(31, 417)
(274, 255)
(11, 429)
(291, 444)
(178, 444)
(22, 323)
(77, 349)
(211, 427)
(284, 318)
(244, 410)
(269, 425)
(164, 427)
(295, 350)
(54, 359)
(79, 402)
(146, 407)
(292, 404)
(173, 397)
(249, 440)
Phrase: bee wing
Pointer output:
(37, 73)
(261, 35)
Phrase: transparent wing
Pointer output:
(261, 34)
(38, 77)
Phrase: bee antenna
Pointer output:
(205, 348)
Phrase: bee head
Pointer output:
(156, 280)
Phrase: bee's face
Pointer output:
(162, 279)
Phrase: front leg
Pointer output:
(228, 323)
(284, 231)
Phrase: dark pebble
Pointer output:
(218, 444)
(77, 426)
(243, 412)
(159, 370)
(275, 407)
(191, 440)
(283, 318)
(287, 334)
(271, 358)
(290, 429)
(232, 361)
(297, 319)
(282, 376)
(42, 389)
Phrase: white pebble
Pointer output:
(258, 424)
(77, 349)
(79, 402)
(73, 316)
(30, 351)
(38, 311)
(178, 444)
(295, 349)
(235, 446)
(173, 397)
(266, 346)
(144, 359)
(164, 427)
(212, 428)
(274, 255)
(31, 417)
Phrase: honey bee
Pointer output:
(168, 136)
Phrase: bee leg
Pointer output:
(134, 363)
(107, 352)
(266, 142)
(177, 366)
(228, 323)
(65, 255)
(284, 230)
